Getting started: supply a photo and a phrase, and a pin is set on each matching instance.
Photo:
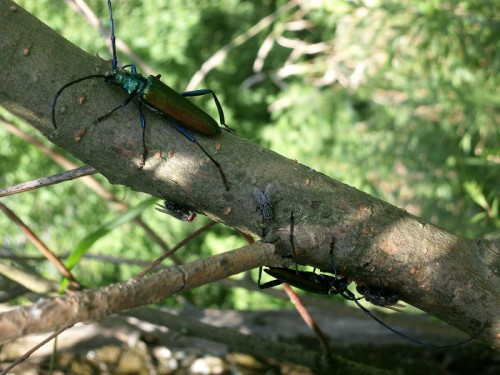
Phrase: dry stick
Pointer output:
(26, 355)
(175, 248)
(306, 316)
(40, 246)
(88, 305)
(47, 181)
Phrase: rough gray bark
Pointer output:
(453, 278)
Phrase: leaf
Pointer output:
(84, 245)
(474, 191)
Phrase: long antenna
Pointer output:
(54, 101)
(114, 62)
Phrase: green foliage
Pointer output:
(399, 99)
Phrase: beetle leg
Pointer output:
(127, 101)
(269, 284)
(202, 92)
(176, 125)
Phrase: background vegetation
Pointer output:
(400, 99)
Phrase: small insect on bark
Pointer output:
(379, 296)
(264, 201)
(177, 210)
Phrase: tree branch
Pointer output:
(453, 278)
(256, 344)
(50, 314)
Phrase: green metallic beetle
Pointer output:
(160, 98)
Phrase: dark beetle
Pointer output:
(332, 285)
(318, 283)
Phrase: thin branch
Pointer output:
(39, 244)
(47, 181)
(48, 314)
(308, 319)
(26, 355)
(169, 253)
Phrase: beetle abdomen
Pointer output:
(161, 98)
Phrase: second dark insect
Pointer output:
(264, 201)
(379, 296)
(179, 211)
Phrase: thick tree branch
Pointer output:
(453, 278)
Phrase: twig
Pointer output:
(175, 248)
(40, 246)
(304, 314)
(48, 314)
(26, 355)
(47, 181)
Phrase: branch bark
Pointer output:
(453, 278)
(50, 314)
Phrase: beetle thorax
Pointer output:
(133, 83)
